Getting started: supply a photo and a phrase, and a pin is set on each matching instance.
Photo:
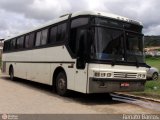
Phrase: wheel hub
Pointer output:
(61, 84)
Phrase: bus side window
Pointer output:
(41, 37)
(4, 47)
(53, 35)
(13, 44)
(20, 42)
(27, 41)
(44, 37)
(61, 32)
(31, 39)
(38, 39)
(72, 41)
(7, 45)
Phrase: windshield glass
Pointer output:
(134, 46)
(108, 44)
(116, 45)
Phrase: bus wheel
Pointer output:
(61, 84)
(11, 73)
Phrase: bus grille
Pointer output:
(125, 75)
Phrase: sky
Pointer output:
(17, 16)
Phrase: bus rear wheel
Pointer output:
(61, 84)
(11, 73)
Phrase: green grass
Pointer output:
(153, 61)
(152, 88)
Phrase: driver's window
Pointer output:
(81, 42)
(76, 25)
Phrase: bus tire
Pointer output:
(11, 73)
(61, 84)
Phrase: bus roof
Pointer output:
(65, 17)
(104, 14)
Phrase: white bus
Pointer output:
(88, 52)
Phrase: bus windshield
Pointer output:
(134, 48)
(108, 44)
(111, 44)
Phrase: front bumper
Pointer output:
(100, 85)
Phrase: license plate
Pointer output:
(124, 84)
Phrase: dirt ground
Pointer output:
(24, 97)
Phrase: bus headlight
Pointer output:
(97, 74)
(109, 74)
(103, 74)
